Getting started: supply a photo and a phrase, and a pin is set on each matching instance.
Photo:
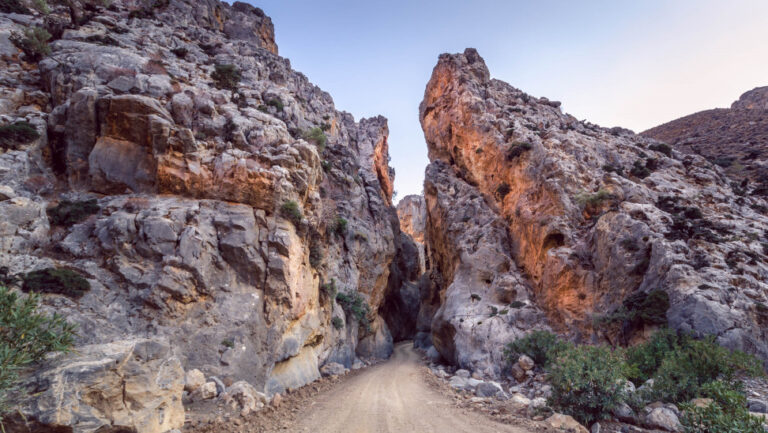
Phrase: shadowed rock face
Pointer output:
(735, 138)
(593, 215)
(192, 245)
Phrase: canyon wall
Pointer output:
(232, 203)
(594, 228)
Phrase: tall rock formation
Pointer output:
(232, 203)
(734, 138)
(528, 207)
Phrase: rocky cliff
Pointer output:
(734, 138)
(213, 198)
(532, 214)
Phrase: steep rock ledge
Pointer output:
(227, 219)
(594, 215)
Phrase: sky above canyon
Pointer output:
(634, 64)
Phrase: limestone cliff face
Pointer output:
(194, 247)
(412, 213)
(593, 215)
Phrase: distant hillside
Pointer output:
(735, 138)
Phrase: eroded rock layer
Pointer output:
(230, 209)
(527, 203)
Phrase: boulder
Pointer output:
(488, 389)
(207, 391)
(565, 422)
(663, 418)
(757, 406)
(333, 369)
(243, 396)
(193, 380)
(525, 362)
(134, 385)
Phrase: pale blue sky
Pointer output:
(625, 63)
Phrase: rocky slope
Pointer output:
(735, 138)
(532, 213)
(226, 218)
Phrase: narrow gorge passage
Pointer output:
(391, 397)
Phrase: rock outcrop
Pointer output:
(529, 207)
(734, 138)
(232, 203)
(412, 213)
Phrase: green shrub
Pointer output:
(329, 289)
(228, 343)
(33, 42)
(661, 148)
(68, 212)
(315, 255)
(645, 359)
(337, 322)
(291, 211)
(727, 413)
(592, 201)
(587, 382)
(517, 149)
(638, 310)
(316, 136)
(226, 77)
(17, 133)
(60, 281)
(339, 226)
(541, 346)
(640, 170)
(26, 336)
(696, 362)
(278, 104)
(354, 303)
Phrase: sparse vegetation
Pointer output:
(13, 7)
(17, 133)
(226, 77)
(640, 170)
(337, 322)
(587, 382)
(517, 149)
(316, 136)
(33, 42)
(726, 413)
(661, 148)
(354, 303)
(228, 343)
(278, 104)
(329, 289)
(339, 226)
(59, 281)
(27, 336)
(67, 213)
(541, 346)
(291, 211)
(587, 201)
(638, 310)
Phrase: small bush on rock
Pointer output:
(316, 136)
(26, 336)
(587, 382)
(17, 133)
(339, 226)
(13, 7)
(337, 322)
(517, 149)
(291, 211)
(354, 303)
(226, 77)
(33, 42)
(661, 148)
(541, 346)
(727, 413)
(67, 213)
(58, 281)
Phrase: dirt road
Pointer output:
(392, 397)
